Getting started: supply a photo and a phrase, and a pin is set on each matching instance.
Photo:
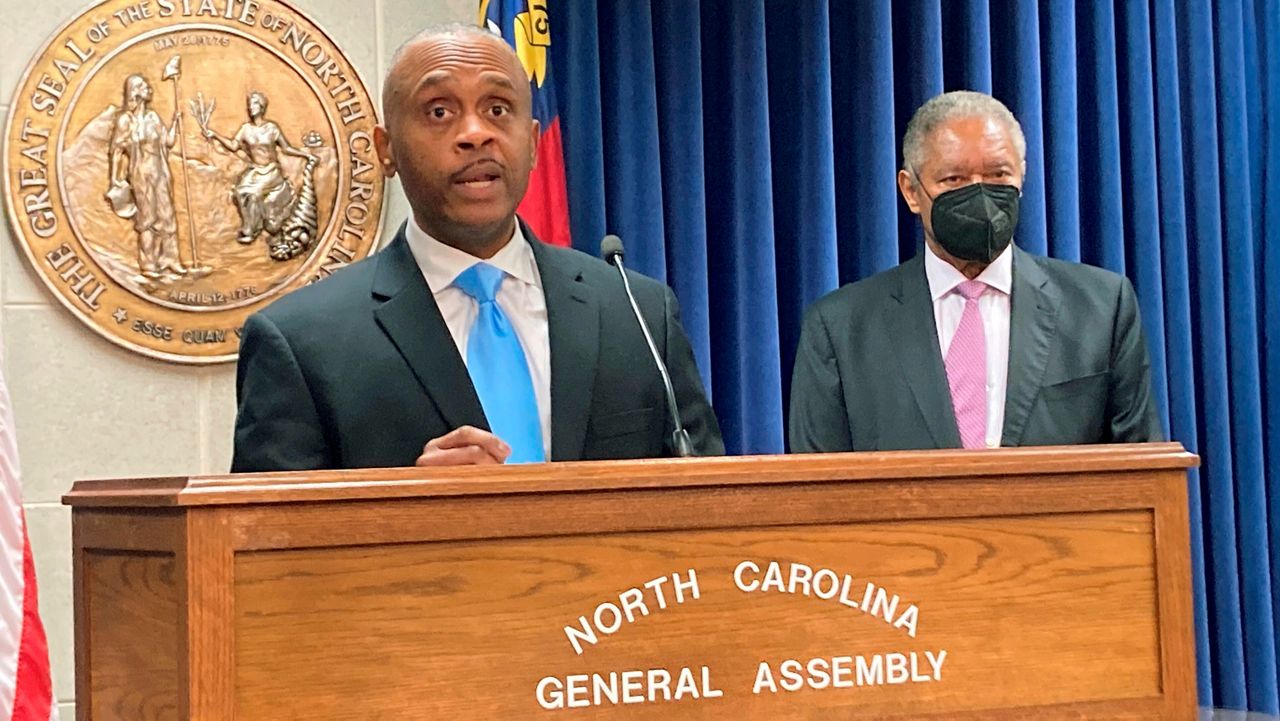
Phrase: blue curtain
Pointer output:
(745, 150)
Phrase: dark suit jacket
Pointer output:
(869, 372)
(359, 370)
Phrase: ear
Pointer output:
(536, 130)
(909, 190)
(386, 155)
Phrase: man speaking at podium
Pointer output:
(973, 343)
(466, 340)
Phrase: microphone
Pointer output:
(611, 251)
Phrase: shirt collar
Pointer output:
(441, 264)
(943, 277)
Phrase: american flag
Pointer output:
(26, 691)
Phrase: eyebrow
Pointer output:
(498, 79)
(440, 77)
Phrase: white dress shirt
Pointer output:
(994, 307)
(520, 297)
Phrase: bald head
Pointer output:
(459, 132)
(440, 44)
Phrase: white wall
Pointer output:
(86, 408)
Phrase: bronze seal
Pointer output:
(172, 166)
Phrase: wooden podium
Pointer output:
(1049, 583)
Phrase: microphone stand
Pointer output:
(680, 441)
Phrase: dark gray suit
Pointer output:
(869, 372)
(359, 370)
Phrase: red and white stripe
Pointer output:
(26, 691)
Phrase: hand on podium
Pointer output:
(464, 446)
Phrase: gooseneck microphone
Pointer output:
(611, 251)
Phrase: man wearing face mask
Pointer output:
(973, 343)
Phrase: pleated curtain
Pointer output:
(745, 151)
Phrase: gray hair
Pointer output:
(427, 33)
(949, 106)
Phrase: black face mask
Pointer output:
(975, 222)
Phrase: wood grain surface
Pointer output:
(593, 475)
(1031, 611)
(206, 623)
(131, 620)
(1056, 580)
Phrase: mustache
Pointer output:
(489, 165)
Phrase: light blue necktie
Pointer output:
(499, 370)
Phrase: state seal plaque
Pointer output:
(171, 166)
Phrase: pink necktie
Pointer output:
(966, 365)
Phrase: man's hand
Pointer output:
(465, 446)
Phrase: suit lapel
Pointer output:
(407, 312)
(573, 325)
(918, 355)
(1032, 324)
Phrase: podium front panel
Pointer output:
(1056, 595)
